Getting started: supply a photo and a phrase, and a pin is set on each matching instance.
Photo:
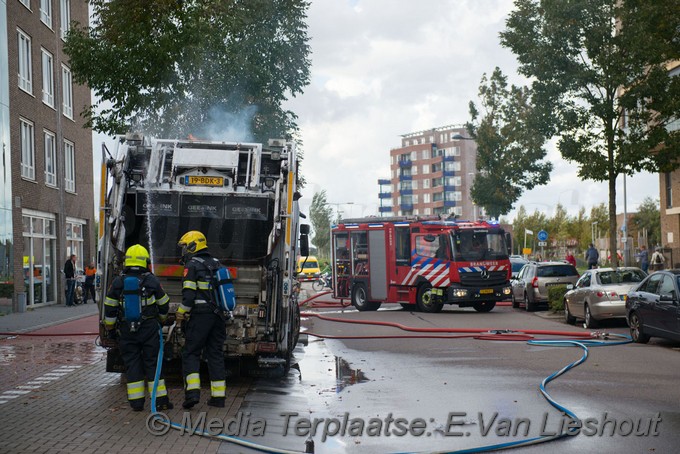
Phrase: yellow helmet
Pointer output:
(137, 255)
(192, 242)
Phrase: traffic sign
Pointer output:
(542, 243)
(542, 235)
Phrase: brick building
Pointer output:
(431, 174)
(46, 205)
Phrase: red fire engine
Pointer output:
(420, 263)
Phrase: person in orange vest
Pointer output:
(88, 286)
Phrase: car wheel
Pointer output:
(515, 303)
(588, 320)
(360, 299)
(570, 319)
(636, 329)
(528, 305)
(424, 300)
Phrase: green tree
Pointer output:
(648, 219)
(320, 213)
(510, 150)
(196, 67)
(593, 64)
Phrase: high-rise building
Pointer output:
(431, 174)
(46, 184)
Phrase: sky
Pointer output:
(384, 68)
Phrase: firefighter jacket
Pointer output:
(154, 298)
(196, 293)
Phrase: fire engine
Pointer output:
(421, 263)
(243, 198)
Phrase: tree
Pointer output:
(195, 67)
(320, 213)
(648, 219)
(594, 64)
(510, 150)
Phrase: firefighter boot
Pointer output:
(163, 403)
(137, 404)
(190, 400)
(216, 402)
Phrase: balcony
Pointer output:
(405, 163)
(405, 177)
(408, 191)
(449, 188)
(383, 181)
(449, 158)
(406, 207)
(449, 173)
(385, 209)
(385, 195)
(449, 203)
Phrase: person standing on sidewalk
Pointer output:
(205, 328)
(139, 339)
(592, 256)
(88, 286)
(70, 273)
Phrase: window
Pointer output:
(425, 154)
(426, 198)
(414, 155)
(426, 169)
(669, 190)
(65, 10)
(25, 70)
(46, 12)
(426, 184)
(67, 87)
(50, 159)
(69, 167)
(27, 150)
(26, 3)
(74, 240)
(47, 78)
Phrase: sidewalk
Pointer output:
(44, 317)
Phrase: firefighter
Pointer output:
(134, 309)
(205, 328)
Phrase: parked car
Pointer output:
(517, 262)
(531, 285)
(600, 294)
(653, 307)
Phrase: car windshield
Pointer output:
(621, 277)
(556, 271)
(479, 244)
(516, 266)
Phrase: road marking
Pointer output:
(16, 391)
(28, 387)
(36, 383)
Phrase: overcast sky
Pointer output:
(383, 68)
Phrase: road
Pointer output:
(385, 394)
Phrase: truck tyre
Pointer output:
(484, 306)
(360, 299)
(424, 300)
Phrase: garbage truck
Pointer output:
(244, 198)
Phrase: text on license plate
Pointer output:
(486, 291)
(205, 181)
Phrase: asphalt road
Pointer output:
(445, 395)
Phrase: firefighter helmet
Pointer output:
(192, 242)
(137, 255)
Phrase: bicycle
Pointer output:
(322, 281)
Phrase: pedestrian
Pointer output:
(658, 260)
(643, 257)
(135, 316)
(205, 327)
(88, 286)
(592, 256)
(570, 258)
(70, 273)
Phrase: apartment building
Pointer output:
(46, 205)
(431, 174)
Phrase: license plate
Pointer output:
(196, 180)
(486, 291)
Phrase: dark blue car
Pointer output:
(653, 307)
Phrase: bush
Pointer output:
(6, 290)
(556, 297)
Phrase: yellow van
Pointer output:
(311, 267)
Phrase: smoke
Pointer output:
(223, 125)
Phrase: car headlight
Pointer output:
(460, 292)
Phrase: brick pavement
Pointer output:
(87, 411)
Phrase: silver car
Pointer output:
(600, 294)
(533, 281)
